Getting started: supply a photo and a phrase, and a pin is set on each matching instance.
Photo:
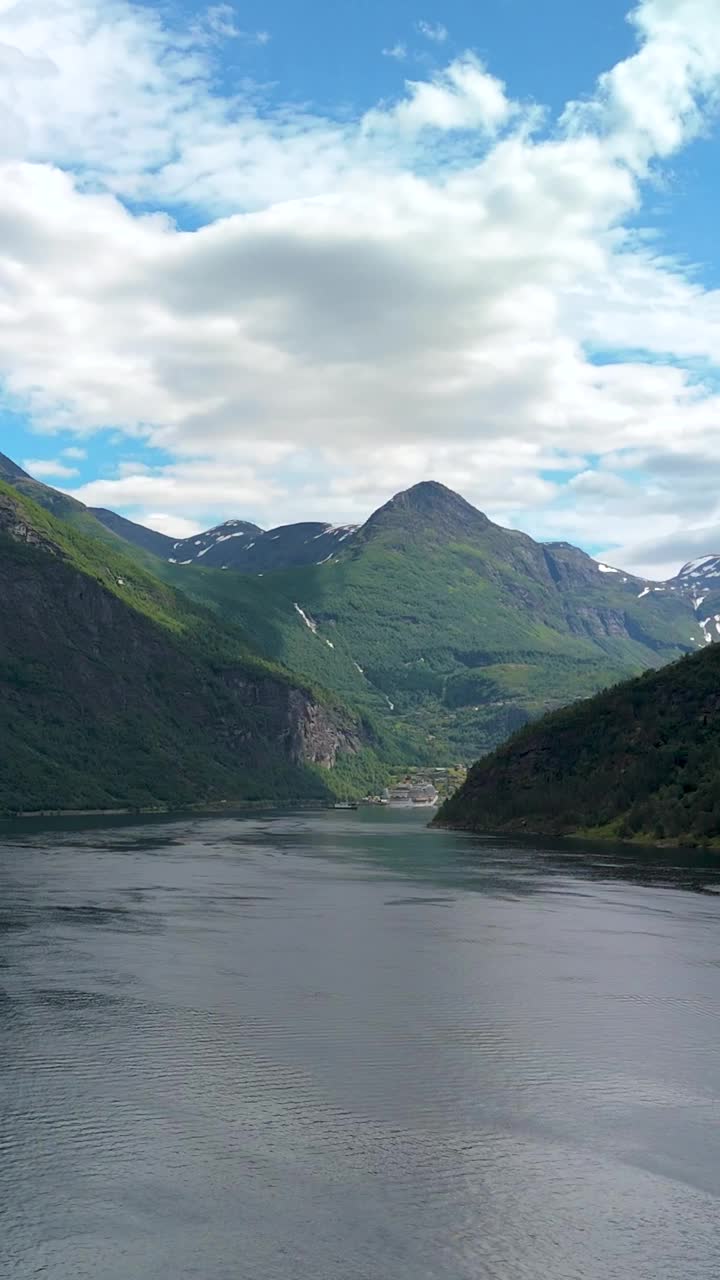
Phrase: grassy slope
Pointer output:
(457, 627)
(117, 690)
(640, 761)
(463, 636)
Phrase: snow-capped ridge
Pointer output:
(707, 566)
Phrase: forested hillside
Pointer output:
(641, 760)
(454, 629)
(117, 691)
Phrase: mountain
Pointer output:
(237, 544)
(447, 631)
(58, 503)
(117, 691)
(426, 508)
(76, 513)
(212, 543)
(455, 629)
(246, 548)
(11, 472)
(158, 544)
(640, 761)
(699, 582)
(250, 549)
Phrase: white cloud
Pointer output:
(173, 525)
(663, 555)
(365, 302)
(221, 20)
(74, 452)
(336, 483)
(654, 102)
(46, 468)
(397, 51)
(434, 31)
(462, 96)
(191, 489)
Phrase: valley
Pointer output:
(431, 631)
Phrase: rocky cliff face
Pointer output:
(305, 730)
(15, 525)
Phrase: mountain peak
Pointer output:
(429, 506)
(431, 495)
(703, 568)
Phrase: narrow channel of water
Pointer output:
(339, 1046)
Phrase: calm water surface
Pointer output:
(335, 1046)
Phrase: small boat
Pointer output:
(346, 804)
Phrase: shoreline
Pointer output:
(592, 836)
(217, 806)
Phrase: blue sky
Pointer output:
(278, 261)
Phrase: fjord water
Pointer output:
(343, 1045)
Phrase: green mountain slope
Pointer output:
(65, 508)
(449, 627)
(444, 630)
(641, 760)
(116, 690)
(158, 544)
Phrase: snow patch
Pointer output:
(694, 567)
(605, 568)
(645, 592)
(225, 537)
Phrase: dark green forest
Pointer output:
(116, 691)
(640, 761)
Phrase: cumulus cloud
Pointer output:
(48, 468)
(654, 102)
(438, 287)
(461, 96)
(173, 525)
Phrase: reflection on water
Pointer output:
(329, 1045)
